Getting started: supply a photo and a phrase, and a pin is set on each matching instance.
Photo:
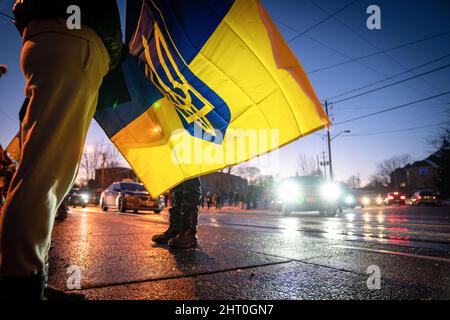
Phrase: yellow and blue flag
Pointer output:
(206, 84)
(13, 148)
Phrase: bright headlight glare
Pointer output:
(349, 199)
(331, 191)
(85, 197)
(366, 200)
(288, 190)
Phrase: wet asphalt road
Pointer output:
(258, 255)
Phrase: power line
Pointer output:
(397, 130)
(359, 62)
(368, 42)
(365, 39)
(415, 120)
(329, 47)
(346, 56)
(323, 20)
(6, 115)
(390, 77)
(391, 84)
(6, 15)
(379, 52)
(392, 108)
(420, 118)
(382, 107)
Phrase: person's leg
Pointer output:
(174, 218)
(187, 237)
(63, 72)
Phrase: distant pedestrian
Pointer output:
(214, 199)
(248, 198)
(202, 200)
(236, 197)
(266, 200)
(209, 200)
(219, 200)
(166, 199)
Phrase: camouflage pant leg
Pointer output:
(191, 191)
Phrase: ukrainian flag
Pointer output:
(13, 148)
(206, 84)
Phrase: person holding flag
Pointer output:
(200, 80)
(63, 68)
(205, 84)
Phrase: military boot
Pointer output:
(172, 231)
(187, 237)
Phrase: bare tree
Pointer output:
(229, 170)
(307, 166)
(444, 166)
(435, 140)
(386, 167)
(221, 183)
(251, 174)
(354, 182)
(90, 160)
(375, 182)
(441, 143)
(113, 158)
(95, 157)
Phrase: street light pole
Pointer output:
(329, 139)
(329, 145)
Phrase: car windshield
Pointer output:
(132, 187)
(426, 193)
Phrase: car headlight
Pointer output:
(379, 200)
(365, 201)
(85, 197)
(288, 191)
(349, 199)
(331, 192)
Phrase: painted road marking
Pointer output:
(404, 254)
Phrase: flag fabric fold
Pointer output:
(13, 148)
(206, 84)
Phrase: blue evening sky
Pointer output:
(340, 38)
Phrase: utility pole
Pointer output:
(103, 168)
(329, 144)
(324, 164)
(318, 166)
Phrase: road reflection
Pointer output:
(389, 225)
